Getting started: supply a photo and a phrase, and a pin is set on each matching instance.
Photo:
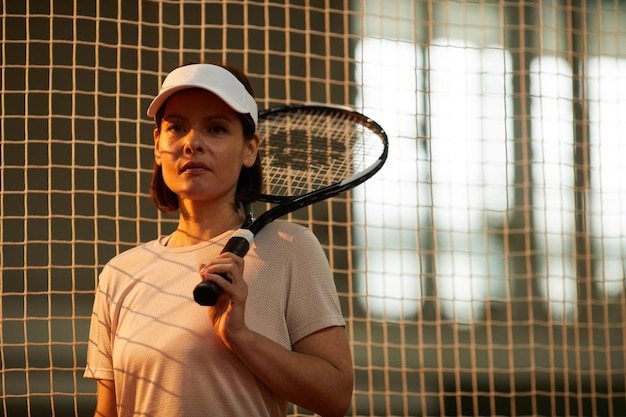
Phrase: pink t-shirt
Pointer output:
(150, 337)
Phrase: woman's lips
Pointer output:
(194, 168)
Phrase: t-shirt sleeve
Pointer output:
(313, 303)
(99, 360)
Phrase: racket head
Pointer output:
(317, 151)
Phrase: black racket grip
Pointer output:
(206, 293)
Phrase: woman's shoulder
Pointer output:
(133, 254)
(281, 235)
(283, 230)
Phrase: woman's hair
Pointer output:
(250, 181)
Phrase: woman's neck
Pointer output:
(196, 226)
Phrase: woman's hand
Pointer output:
(228, 314)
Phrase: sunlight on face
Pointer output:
(199, 128)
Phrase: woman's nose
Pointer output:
(193, 144)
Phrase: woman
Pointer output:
(276, 335)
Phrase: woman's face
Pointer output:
(200, 146)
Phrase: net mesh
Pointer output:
(481, 272)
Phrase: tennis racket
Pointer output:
(308, 153)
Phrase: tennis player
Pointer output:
(276, 334)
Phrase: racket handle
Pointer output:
(207, 292)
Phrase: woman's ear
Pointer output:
(157, 151)
(251, 151)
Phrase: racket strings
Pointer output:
(303, 152)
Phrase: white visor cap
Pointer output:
(212, 78)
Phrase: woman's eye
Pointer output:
(217, 129)
(174, 128)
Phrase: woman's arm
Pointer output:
(316, 375)
(105, 407)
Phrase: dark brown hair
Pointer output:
(250, 179)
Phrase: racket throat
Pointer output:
(239, 243)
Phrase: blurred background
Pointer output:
(480, 273)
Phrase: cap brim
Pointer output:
(213, 78)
